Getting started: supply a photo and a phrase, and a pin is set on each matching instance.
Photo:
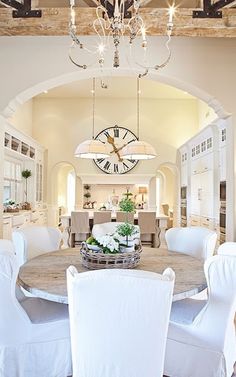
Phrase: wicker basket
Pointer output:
(96, 261)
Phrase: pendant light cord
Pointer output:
(138, 100)
(93, 107)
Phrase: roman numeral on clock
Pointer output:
(116, 168)
(106, 133)
(100, 160)
(107, 165)
(131, 141)
(125, 166)
(116, 132)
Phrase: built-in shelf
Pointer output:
(17, 145)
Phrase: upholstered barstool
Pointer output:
(101, 217)
(148, 228)
(122, 217)
(79, 227)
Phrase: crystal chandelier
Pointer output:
(112, 23)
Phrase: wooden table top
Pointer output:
(45, 275)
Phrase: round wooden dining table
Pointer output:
(45, 275)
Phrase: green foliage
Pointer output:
(127, 205)
(26, 173)
(126, 229)
(86, 187)
(87, 195)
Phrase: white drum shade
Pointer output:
(138, 150)
(92, 149)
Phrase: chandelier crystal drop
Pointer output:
(112, 24)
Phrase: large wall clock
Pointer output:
(116, 138)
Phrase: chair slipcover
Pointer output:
(122, 217)
(32, 241)
(101, 217)
(227, 248)
(196, 241)
(33, 343)
(125, 335)
(148, 227)
(207, 346)
(79, 227)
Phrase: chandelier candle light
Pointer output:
(92, 149)
(115, 21)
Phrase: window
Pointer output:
(198, 149)
(158, 194)
(71, 191)
(223, 134)
(13, 188)
(203, 146)
(209, 143)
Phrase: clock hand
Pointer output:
(118, 149)
(110, 140)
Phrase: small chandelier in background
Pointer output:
(114, 22)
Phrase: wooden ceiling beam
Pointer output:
(54, 22)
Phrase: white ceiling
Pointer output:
(118, 87)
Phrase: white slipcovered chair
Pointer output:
(227, 248)
(206, 345)
(198, 242)
(125, 336)
(34, 333)
(32, 241)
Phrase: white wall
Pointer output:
(206, 114)
(22, 119)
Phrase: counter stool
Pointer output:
(79, 227)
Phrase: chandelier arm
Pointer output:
(168, 57)
(84, 66)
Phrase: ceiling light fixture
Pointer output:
(115, 21)
(92, 149)
(138, 150)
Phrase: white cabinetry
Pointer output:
(202, 203)
(22, 152)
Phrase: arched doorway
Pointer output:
(63, 190)
(167, 189)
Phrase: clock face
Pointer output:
(116, 138)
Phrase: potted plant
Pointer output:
(26, 174)
(126, 232)
(126, 204)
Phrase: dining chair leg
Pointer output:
(72, 240)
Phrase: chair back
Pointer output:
(196, 241)
(127, 334)
(122, 217)
(227, 248)
(32, 241)
(147, 222)
(216, 321)
(101, 217)
(14, 323)
(80, 222)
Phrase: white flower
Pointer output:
(109, 242)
